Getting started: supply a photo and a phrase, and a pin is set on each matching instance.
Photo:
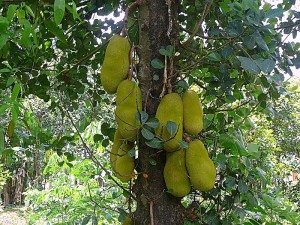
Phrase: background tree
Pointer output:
(233, 53)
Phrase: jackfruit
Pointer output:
(124, 164)
(116, 63)
(127, 221)
(192, 112)
(118, 141)
(170, 109)
(200, 167)
(129, 102)
(175, 174)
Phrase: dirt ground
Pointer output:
(12, 216)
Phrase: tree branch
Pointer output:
(198, 25)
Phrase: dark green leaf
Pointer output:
(59, 10)
(249, 65)
(147, 134)
(157, 64)
(97, 138)
(164, 52)
(214, 56)
(3, 108)
(131, 152)
(261, 42)
(94, 220)
(86, 220)
(272, 13)
(153, 123)
(56, 31)
(242, 187)
(144, 117)
(183, 84)
(171, 127)
(152, 161)
(183, 144)
(1, 140)
(267, 65)
(155, 143)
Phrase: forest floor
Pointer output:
(12, 216)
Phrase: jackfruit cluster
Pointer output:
(128, 102)
(190, 167)
(116, 63)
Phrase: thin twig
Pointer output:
(151, 213)
(198, 25)
(91, 154)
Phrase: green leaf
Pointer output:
(153, 123)
(147, 134)
(157, 64)
(144, 117)
(15, 92)
(183, 144)
(250, 4)
(267, 65)
(261, 42)
(272, 13)
(242, 187)
(249, 65)
(59, 10)
(155, 143)
(94, 220)
(56, 31)
(3, 108)
(152, 161)
(131, 152)
(86, 220)
(11, 11)
(214, 56)
(183, 84)
(97, 138)
(171, 127)
(1, 140)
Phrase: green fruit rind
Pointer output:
(175, 174)
(118, 141)
(129, 102)
(116, 63)
(200, 167)
(124, 164)
(192, 112)
(170, 109)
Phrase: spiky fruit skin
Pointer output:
(116, 63)
(170, 109)
(129, 102)
(118, 141)
(192, 112)
(175, 174)
(124, 164)
(200, 167)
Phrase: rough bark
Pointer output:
(154, 204)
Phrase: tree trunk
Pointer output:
(154, 205)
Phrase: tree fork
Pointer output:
(154, 205)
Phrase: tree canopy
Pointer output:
(57, 122)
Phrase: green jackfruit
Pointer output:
(124, 164)
(127, 221)
(118, 141)
(170, 109)
(129, 102)
(200, 167)
(116, 63)
(192, 112)
(175, 174)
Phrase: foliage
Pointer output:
(237, 60)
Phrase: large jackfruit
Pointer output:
(175, 174)
(116, 63)
(125, 164)
(170, 109)
(200, 167)
(192, 112)
(129, 102)
(118, 141)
